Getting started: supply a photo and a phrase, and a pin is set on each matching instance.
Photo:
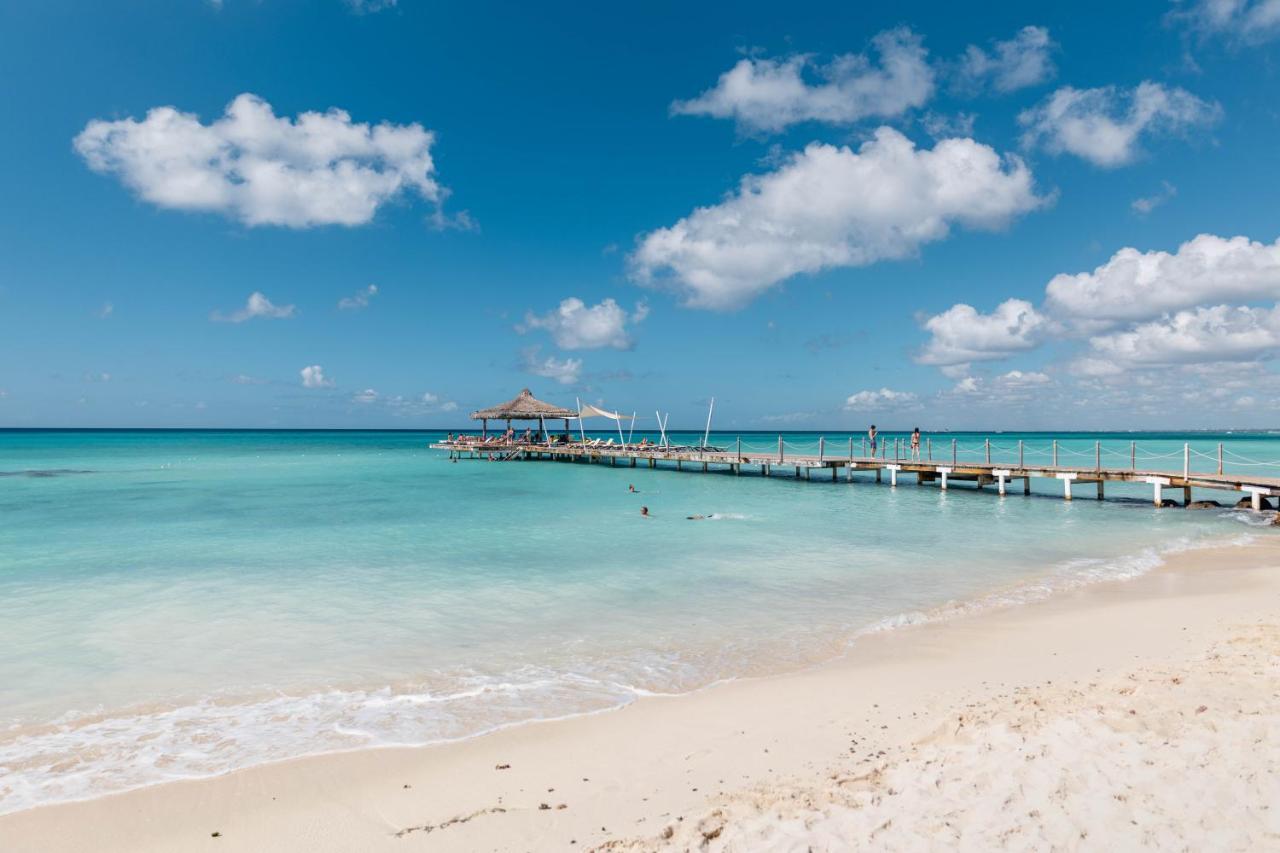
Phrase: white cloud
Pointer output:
(885, 398)
(106, 311)
(1250, 21)
(1104, 125)
(1022, 61)
(1201, 335)
(575, 326)
(1135, 285)
(244, 379)
(1146, 204)
(97, 376)
(563, 370)
(360, 299)
(313, 377)
(770, 94)
(366, 396)
(260, 169)
(942, 126)
(961, 335)
(257, 305)
(366, 7)
(449, 406)
(834, 207)
(1020, 378)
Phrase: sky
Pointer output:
(353, 213)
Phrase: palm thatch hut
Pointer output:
(524, 407)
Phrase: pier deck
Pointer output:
(941, 471)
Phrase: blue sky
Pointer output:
(823, 215)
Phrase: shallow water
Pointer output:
(176, 604)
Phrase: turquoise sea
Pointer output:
(180, 604)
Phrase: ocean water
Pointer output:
(181, 604)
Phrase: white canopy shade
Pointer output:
(590, 411)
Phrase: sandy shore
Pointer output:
(1142, 713)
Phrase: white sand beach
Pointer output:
(1124, 715)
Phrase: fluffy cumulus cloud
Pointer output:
(575, 325)
(1105, 125)
(961, 335)
(313, 377)
(1138, 312)
(885, 398)
(258, 306)
(563, 370)
(1248, 21)
(262, 169)
(1022, 61)
(1134, 285)
(360, 299)
(830, 206)
(768, 95)
(1201, 335)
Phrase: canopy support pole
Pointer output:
(707, 434)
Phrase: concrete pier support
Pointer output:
(1100, 491)
(1256, 495)
(633, 462)
(878, 476)
(1158, 484)
(1001, 476)
(944, 472)
(1066, 484)
(1186, 495)
(893, 474)
(764, 470)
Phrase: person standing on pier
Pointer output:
(915, 445)
(871, 439)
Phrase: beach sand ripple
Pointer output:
(1164, 757)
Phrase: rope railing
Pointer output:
(896, 447)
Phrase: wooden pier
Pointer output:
(1001, 475)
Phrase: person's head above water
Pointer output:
(644, 510)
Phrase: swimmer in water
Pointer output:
(696, 517)
(644, 511)
(632, 490)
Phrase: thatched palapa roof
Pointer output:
(525, 407)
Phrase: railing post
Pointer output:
(864, 446)
(822, 446)
(1097, 455)
(780, 451)
(739, 450)
(928, 442)
(850, 448)
(1186, 460)
(1055, 453)
(1020, 465)
(1219, 458)
(1133, 456)
(953, 453)
(988, 445)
